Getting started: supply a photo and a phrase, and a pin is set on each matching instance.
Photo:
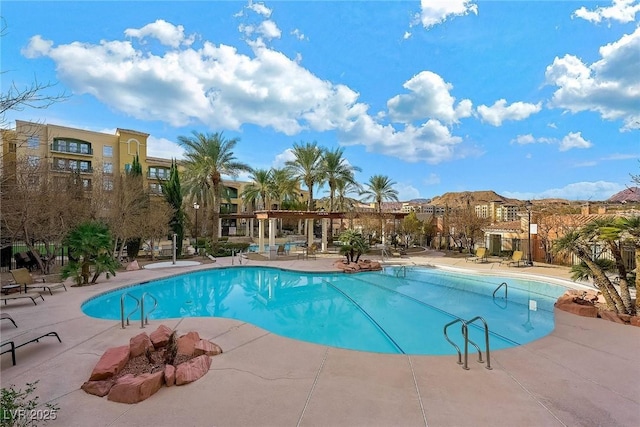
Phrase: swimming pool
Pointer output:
(397, 310)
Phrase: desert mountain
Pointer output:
(456, 199)
(631, 194)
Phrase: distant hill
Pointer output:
(631, 194)
(456, 199)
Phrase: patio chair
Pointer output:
(479, 256)
(23, 260)
(7, 316)
(22, 277)
(311, 251)
(516, 258)
(25, 340)
(282, 250)
(30, 295)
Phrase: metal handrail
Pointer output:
(506, 290)
(486, 340)
(446, 336)
(144, 319)
(465, 335)
(122, 318)
(404, 271)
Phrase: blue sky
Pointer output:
(529, 99)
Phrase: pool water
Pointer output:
(398, 310)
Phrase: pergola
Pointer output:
(308, 216)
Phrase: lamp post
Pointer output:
(529, 205)
(196, 206)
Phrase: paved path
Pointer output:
(585, 373)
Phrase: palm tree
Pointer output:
(89, 245)
(353, 245)
(631, 231)
(380, 188)
(208, 157)
(306, 166)
(609, 231)
(259, 190)
(344, 203)
(575, 242)
(284, 187)
(336, 169)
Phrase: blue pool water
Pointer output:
(397, 310)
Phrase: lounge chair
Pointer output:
(12, 343)
(22, 277)
(515, 259)
(311, 251)
(30, 295)
(479, 256)
(281, 250)
(7, 316)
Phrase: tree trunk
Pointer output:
(602, 282)
(625, 294)
(637, 279)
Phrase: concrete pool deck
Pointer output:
(584, 373)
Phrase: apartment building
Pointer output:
(94, 155)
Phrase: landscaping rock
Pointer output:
(169, 375)
(611, 316)
(634, 321)
(133, 266)
(206, 347)
(187, 343)
(111, 362)
(192, 370)
(139, 344)
(160, 337)
(98, 388)
(568, 303)
(134, 389)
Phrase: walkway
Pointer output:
(584, 373)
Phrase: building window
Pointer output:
(108, 184)
(71, 146)
(158, 173)
(33, 161)
(107, 151)
(33, 142)
(155, 188)
(107, 167)
(86, 184)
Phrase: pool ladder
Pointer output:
(506, 291)
(467, 340)
(144, 318)
(401, 272)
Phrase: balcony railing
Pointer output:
(71, 169)
(83, 151)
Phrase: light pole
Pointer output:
(196, 206)
(529, 205)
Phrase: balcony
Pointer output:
(81, 150)
(71, 169)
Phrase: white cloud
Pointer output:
(406, 35)
(434, 12)
(219, 87)
(406, 191)
(259, 8)
(166, 33)
(269, 30)
(610, 86)
(429, 97)
(282, 158)
(594, 191)
(163, 148)
(574, 140)
(623, 11)
(298, 34)
(500, 112)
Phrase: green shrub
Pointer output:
(18, 408)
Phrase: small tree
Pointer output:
(172, 193)
(353, 245)
(89, 246)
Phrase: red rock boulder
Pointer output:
(134, 389)
(206, 347)
(187, 343)
(111, 362)
(192, 370)
(568, 303)
(160, 337)
(139, 344)
(98, 388)
(169, 375)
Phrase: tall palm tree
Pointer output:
(631, 230)
(344, 203)
(209, 156)
(306, 166)
(378, 189)
(336, 169)
(284, 187)
(259, 190)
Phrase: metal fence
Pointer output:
(12, 255)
